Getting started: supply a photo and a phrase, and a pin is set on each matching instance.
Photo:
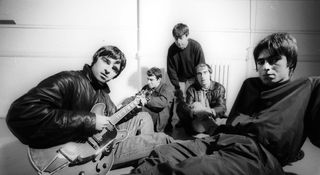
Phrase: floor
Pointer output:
(14, 160)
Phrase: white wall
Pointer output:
(51, 36)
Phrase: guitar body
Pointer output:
(93, 157)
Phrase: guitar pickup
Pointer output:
(93, 142)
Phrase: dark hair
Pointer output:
(279, 44)
(154, 71)
(203, 65)
(111, 52)
(179, 30)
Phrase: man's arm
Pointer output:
(313, 113)
(41, 117)
(220, 102)
(172, 71)
(159, 100)
(199, 55)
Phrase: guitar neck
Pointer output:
(116, 117)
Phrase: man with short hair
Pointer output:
(58, 110)
(266, 128)
(183, 56)
(160, 100)
(205, 103)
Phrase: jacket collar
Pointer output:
(158, 87)
(94, 82)
(198, 86)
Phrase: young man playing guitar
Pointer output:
(57, 111)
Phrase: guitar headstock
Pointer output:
(147, 94)
(144, 93)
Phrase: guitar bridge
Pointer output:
(93, 142)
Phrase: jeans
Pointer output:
(141, 139)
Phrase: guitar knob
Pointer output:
(97, 168)
(104, 165)
(82, 173)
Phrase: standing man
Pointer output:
(183, 56)
(205, 103)
(267, 126)
(57, 110)
(161, 99)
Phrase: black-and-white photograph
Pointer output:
(160, 87)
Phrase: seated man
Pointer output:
(205, 103)
(266, 128)
(58, 111)
(160, 100)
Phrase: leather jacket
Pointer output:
(57, 110)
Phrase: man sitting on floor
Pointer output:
(267, 126)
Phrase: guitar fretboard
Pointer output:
(116, 117)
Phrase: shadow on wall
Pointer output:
(133, 81)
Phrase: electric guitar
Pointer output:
(93, 157)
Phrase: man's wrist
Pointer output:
(213, 112)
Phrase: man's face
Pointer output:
(105, 69)
(181, 42)
(272, 68)
(153, 82)
(203, 77)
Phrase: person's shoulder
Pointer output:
(166, 85)
(172, 47)
(69, 73)
(194, 42)
(252, 80)
(216, 84)
(194, 87)
(65, 76)
(173, 50)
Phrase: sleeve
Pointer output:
(199, 55)
(190, 95)
(42, 117)
(313, 113)
(172, 70)
(159, 100)
(220, 101)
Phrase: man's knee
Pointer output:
(145, 117)
(146, 123)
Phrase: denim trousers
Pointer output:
(141, 139)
